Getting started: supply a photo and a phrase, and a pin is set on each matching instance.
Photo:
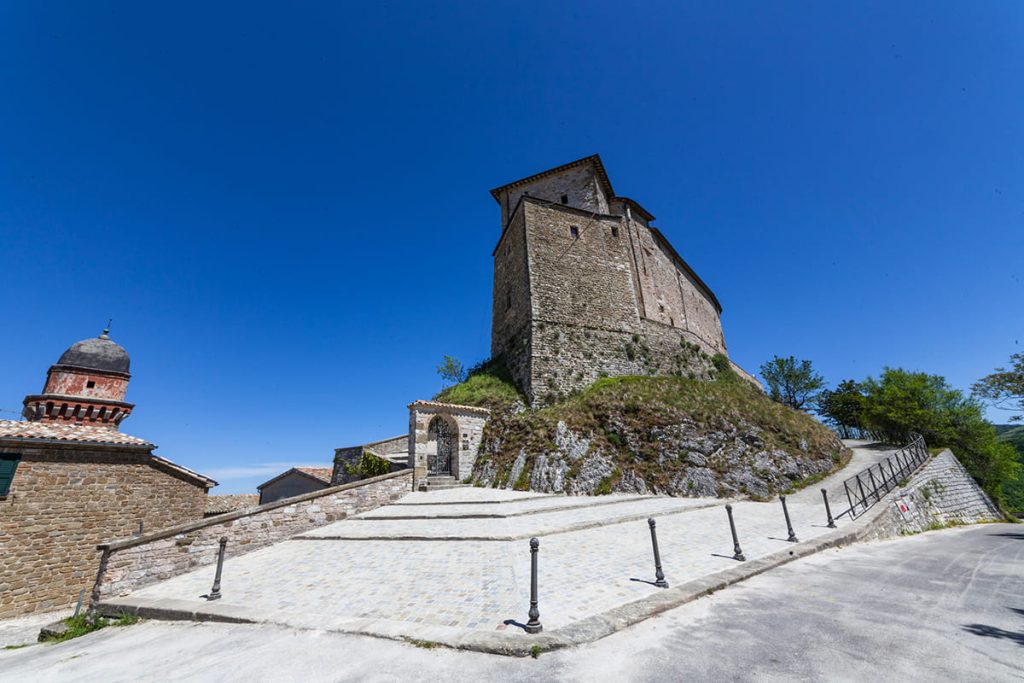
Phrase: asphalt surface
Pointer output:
(941, 606)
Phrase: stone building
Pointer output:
(444, 440)
(295, 482)
(585, 286)
(394, 449)
(69, 480)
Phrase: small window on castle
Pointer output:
(574, 231)
(615, 231)
(508, 301)
(565, 199)
(672, 321)
(661, 307)
(8, 463)
(90, 384)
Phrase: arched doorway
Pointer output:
(442, 437)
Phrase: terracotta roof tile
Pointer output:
(51, 431)
(324, 474)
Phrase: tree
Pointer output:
(900, 404)
(451, 370)
(843, 407)
(791, 382)
(1004, 389)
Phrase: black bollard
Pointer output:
(215, 591)
(737, 552)
(659, 575)
(828, 510)
(533, 625)
(789, 527)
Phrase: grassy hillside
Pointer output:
(668, 435)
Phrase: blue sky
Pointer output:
(285, 208)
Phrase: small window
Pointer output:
(8, 463)
(672, 321)
(508, 301)
(565, 199)
(90, 384)
(574, 231)
(661, 307)
(615, 231)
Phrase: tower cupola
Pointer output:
(87, 385)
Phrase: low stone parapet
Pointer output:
(129, 564)
(940, 494)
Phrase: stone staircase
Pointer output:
(439, 482)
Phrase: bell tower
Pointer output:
(87, 386)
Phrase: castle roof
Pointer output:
(97, 353)
(594, 159)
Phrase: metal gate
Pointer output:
(440, 432)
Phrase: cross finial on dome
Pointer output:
(106, 330)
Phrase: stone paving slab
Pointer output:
(488, 508)
(472, 494)
(510, 528)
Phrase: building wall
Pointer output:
(76, 383)
(62, 503)
(611, 300)
(579, 184)
(511, 308)
(291, 484)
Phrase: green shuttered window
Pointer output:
(8, 463)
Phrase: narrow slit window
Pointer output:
(508, 301)
(574, 231)
(615, 231)
(565, 199)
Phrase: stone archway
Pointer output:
(442, 447)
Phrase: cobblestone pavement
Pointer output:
(323, 581)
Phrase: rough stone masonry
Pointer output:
(585, 287)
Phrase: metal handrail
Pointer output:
(868, 486)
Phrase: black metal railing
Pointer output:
(867, 487)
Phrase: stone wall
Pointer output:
(940, 494)
(130, 564)
(578, 185)
(394, 449)
(65, 500)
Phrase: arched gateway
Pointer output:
(443, 442)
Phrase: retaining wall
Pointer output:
(940, 494)
(130, 564)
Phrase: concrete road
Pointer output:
(942, 606)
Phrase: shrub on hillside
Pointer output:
(368, 465)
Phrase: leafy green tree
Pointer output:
(792, 382)
(451, 370)
(843, 407)
(1004, 389)
(900, 404)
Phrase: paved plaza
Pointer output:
(458, 560)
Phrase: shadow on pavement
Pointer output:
(994, 632)
(1011, 534)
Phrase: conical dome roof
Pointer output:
(97, 353)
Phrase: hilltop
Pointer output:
(665, 435)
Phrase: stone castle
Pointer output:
(586, 287)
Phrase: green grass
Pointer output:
(16, 647)
(489, 385)
(84, 623)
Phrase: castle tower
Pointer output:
(585, 286)
(86, 386)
